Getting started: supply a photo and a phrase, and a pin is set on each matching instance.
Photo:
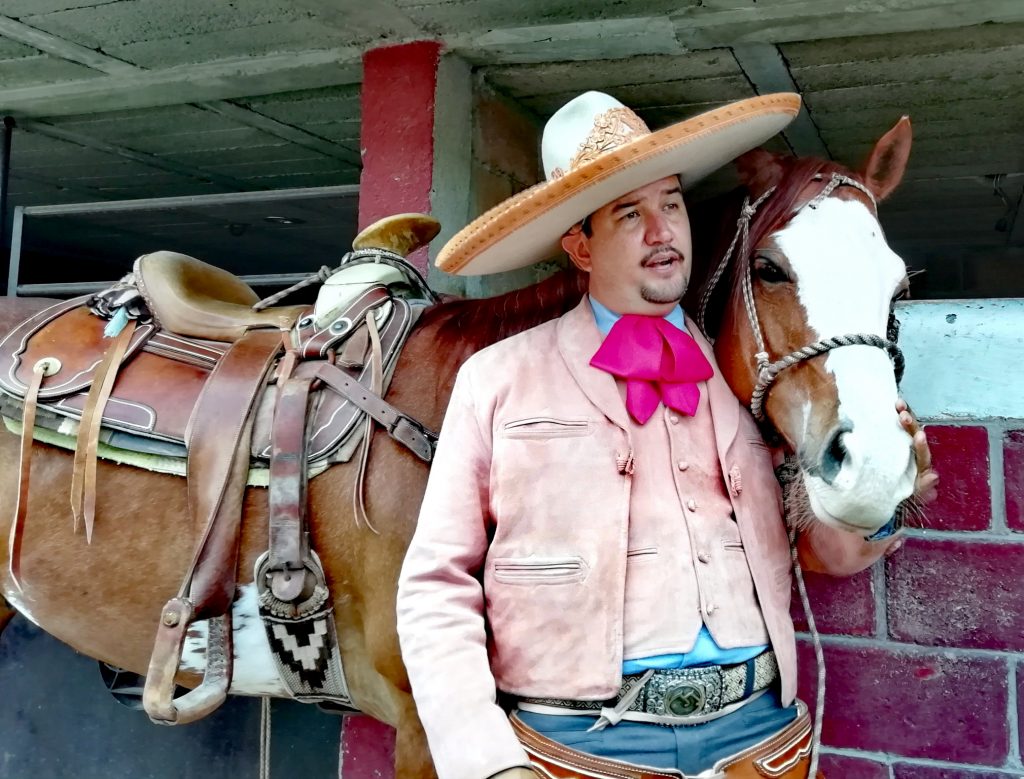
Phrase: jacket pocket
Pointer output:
(546, 427)
(732, 546)
(539, 570)
(642, 553)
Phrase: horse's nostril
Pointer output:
(834, 455)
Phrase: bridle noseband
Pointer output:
(767, 370)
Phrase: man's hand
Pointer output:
(515, 773)
(926, 484)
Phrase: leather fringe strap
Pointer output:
(83, 479)
(43, 368)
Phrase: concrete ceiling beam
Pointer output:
(381, 18)
(767, 71)
(287, 132)
(219, 80)
(806, 20)
(65, 49)
(42, 128)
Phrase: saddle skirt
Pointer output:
(162, 374)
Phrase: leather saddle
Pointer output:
(182, 358)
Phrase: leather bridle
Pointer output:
(768, 370)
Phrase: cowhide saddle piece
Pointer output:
(181, 358)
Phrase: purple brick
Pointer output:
(1013, 474)
(961, 593)
(840, 605)
(911, 771)
(842, 767)
(912, 702)
(960, 455)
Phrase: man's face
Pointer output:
(638, 254)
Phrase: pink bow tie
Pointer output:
(659, 363)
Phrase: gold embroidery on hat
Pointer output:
(612, 129)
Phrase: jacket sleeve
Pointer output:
(825, 549)
(441, 623)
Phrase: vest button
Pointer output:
(682, 465)
(673, 419)
(691, 504)
(703, 556)
(711, 608)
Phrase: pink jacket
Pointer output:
(515, 578)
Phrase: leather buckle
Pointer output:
(414, 435)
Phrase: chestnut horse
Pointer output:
(825, 271)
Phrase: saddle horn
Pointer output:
(402, 233)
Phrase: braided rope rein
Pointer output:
(768, 372)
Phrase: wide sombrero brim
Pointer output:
(528, 227)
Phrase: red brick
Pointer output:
(954, 592)
(842, 767)
(840, 605)
(911, 771)
(960, 455)
(911, 702)
(1013, 475)
(367, 749)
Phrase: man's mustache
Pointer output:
(662, 253)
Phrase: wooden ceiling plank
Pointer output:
(767, 71)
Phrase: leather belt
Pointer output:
(784, 755)
(676, 696)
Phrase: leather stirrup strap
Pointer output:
(28, 423)
(218, 463)
(83, 479)
(289, 538)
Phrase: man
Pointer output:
(556, 559)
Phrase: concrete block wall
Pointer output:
(925, 652)
(505, 161)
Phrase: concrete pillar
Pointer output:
(416, 139)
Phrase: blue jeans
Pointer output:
(688, 748)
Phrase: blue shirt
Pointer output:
(705, 651)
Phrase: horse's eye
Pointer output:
(768, 271)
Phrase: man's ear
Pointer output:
(577, 246)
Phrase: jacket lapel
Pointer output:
(725, 409)
(578, 340)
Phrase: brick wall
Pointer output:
(925, 652)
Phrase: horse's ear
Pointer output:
(758, 169)
(887, 162)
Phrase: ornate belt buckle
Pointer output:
(685, 692)
(685, 698)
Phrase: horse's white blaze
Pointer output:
(254, 671)
(846, 275)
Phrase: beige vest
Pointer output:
(686, 564)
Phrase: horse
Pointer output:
(802, 273)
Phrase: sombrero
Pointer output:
(595, 150)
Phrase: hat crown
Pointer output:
(585, 128)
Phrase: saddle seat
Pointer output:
(191, 298)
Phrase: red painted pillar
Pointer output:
(397, 132)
